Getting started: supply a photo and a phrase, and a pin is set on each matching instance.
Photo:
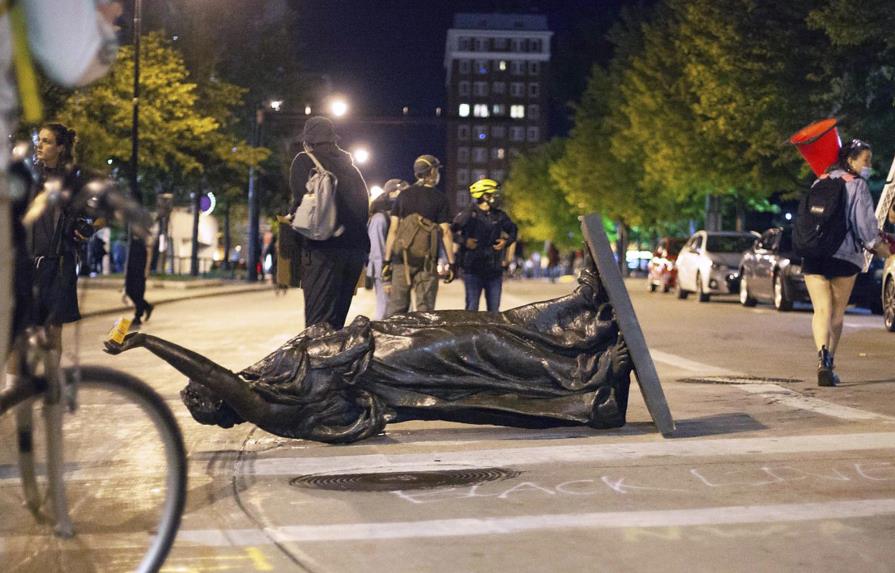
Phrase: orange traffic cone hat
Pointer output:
(819, 144)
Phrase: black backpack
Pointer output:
(821, 222)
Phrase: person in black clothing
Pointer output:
(135, 280)
(331, 268)
(424, 199)
(484, 233)
(54, 238)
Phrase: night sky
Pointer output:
(387, 54)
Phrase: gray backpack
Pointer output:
(316, 217)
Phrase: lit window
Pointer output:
(517, 111)
(498, 153)
(502, 65)
(480, 110)
(464, 110)
(499, 109)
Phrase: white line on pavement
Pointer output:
(775, 392)
(792, 399)
(737, 514)
(687, 364)
(600, 453)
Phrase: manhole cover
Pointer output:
(739, 380)
(390, 481)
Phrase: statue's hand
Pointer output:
(621, 358)
(131, 340)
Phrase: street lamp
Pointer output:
(361, 155)
(338, 107)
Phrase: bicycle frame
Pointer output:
(57, 396)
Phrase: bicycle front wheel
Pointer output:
(125, 480)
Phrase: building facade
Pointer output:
(497, 75)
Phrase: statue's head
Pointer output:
(207, 407)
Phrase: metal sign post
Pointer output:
(644, 369)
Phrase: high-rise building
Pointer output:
(497, 72)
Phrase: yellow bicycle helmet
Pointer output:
(483, 187)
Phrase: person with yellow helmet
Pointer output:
(485, 234)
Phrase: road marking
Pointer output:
(775, 392)
(463, 527)
(687, 364)
(793, 399)
(555, 454)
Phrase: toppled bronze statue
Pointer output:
(550, 363)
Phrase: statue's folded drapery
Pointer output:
(549, 363)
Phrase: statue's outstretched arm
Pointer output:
(230, 387)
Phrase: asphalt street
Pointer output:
(765, 472)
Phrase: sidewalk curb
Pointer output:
(188, 296)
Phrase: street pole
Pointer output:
(134, 243)
(253, 254)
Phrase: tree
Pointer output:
(536, 203)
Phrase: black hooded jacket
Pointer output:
(352, 197)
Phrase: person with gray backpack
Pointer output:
(420, 220)
(335, 242)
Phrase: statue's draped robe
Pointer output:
(544, 364)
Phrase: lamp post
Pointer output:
(254, 255)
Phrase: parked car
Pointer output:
(888, 294)
(662, 271)
(772, 272)
(709, 263)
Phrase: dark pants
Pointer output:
(135, 276)
(423, 284)
(491, 284)
(329, 278)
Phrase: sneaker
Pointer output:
(148, 312)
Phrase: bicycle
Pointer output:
(71, 476)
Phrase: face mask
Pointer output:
(865, 173)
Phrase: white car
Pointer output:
(709, 263)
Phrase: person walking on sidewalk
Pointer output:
(136, 273)
(377, 228)
(331, 268)
(830, 279)
(485, 233)
(421, 212)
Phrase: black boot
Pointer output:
(825, 374)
